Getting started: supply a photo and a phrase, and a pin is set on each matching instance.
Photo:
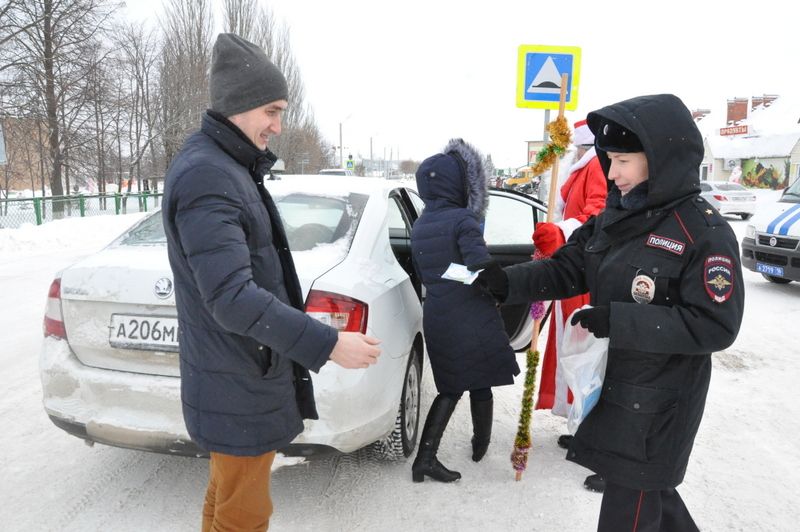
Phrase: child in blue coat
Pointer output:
(464, 333)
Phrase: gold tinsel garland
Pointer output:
(560, 137)
(522, 442)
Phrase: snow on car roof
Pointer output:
(330, 184)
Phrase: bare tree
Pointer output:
(47, 41)
(139, 52)
(10, 27)
(185, 60)
(489, 167)
(409, 166)
(239, 17)
(99, 94)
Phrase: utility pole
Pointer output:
(341, 153)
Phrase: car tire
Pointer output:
(778, 280)
(746, 216)
(402, 441)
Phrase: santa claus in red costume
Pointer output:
(582, 195)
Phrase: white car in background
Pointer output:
(109, 362)
(336, 171)
(729, 198)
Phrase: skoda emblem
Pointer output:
(163, 288)
(773, 241)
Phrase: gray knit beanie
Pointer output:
(242, 78)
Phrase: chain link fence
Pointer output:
(18, 211)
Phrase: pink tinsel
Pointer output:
(538, 307)
(537, 310)
(519, 457)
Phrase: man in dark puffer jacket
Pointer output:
(245, 343)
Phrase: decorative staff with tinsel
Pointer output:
(547, 157)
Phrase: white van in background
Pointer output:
(771, 244)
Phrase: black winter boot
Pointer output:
(481, 426)
(595, 483)
(426, 464)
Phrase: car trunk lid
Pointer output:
(119, 305)
(119, 310)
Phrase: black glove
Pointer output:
(492, 279)
(596, 319)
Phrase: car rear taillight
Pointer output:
(53, 319)
(720, 197)
(340, 312)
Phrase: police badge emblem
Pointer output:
(718, 277)
(643, 289)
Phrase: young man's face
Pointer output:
(259, 123)
(627, 170)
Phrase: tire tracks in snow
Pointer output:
(89, 495)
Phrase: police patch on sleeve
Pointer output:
(718, 277)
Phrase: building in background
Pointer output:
(758, 143)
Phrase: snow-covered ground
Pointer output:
(743, 475)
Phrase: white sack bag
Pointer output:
(583, 363)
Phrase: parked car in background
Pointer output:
(729, 198)
(523, 181)
(771, 243)
(109, 361)
(336, 171)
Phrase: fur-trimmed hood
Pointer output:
(455, 177)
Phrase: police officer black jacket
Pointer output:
(669, 272)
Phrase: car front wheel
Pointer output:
(778, 280)
(403, 438)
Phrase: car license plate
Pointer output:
(156, 333)
(769, 269)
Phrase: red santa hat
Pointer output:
(583, 135)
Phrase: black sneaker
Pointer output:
(564, 441)
(595, 483)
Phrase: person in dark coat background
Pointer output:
(662, 269)
(245, 343)
(464, 333)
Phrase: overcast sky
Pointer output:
(412, 74)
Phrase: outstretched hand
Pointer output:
(355, 350)
(492, 278)
(596, 320)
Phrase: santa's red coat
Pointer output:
(583, 195)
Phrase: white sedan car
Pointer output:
(109, 362)
(729, 198)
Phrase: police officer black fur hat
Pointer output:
(613, 137)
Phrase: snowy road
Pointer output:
(743, 475)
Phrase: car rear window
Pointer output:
(311, 220)
(148, 232)
(730, 186)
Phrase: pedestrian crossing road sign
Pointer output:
(539, 70)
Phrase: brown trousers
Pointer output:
(237, 499)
